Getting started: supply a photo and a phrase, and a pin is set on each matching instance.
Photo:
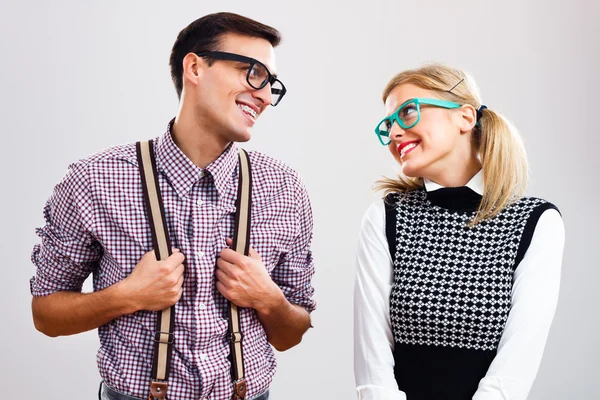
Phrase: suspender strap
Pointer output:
(163, 337)
(241, 244)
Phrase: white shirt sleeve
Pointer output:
(373, 339)
(534, 299)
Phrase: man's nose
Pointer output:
(264, 94)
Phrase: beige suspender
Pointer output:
(162, 247)
(241, 244)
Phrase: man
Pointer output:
(223, 67)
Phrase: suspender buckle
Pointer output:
(236, 337)
(164, 337)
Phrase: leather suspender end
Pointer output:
(239, 389)
(158, 390)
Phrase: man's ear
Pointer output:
(193, 68)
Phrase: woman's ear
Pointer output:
(468, 118)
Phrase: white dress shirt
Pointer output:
(534, 298)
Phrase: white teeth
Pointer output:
(407, 148)
(249, 110)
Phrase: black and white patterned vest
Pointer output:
(452, 286)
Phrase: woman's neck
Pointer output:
(455, 176)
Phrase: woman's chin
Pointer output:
(410, 170)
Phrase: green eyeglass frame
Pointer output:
(384, 127)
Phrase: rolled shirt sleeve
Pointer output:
(294, 271)
(67, 252)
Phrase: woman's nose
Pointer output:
(397, 131)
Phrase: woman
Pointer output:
(457, 272)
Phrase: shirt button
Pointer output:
(200, 254)
(203, 357)
(200, 202)
(202, 306)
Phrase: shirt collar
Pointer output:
(475, 184)
(183, 173)
(222, 169)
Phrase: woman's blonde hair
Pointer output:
(497, 141)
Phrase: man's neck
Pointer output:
(196, 140)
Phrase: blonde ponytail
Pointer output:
(505, 167)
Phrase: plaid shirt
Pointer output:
(96, 223)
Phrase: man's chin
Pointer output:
(240, 137)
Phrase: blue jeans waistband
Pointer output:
(108, 393)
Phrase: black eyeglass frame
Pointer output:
(221, 55)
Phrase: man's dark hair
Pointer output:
(204, 34)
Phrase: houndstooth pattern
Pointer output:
(96, 224)
(452, 284)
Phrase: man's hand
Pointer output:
(245, 282)
(155, 285)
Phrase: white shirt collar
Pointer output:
(475, 184)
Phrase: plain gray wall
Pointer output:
(80, 76)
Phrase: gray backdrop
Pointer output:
(80, 76)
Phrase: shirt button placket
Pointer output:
(201, 306)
